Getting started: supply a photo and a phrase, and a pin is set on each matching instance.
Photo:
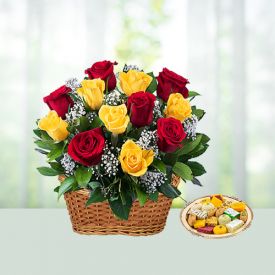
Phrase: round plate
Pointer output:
(184, 212)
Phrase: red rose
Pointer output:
(170, 134)
(103, 70)
(141, 105)
(59, 100)
(87, 147)
(170, 82)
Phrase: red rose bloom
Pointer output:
(170, 82)
(170, 134)
(59, 100)
(87, 147)
(103, 70)
(141, 105)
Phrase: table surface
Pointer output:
(40, 241)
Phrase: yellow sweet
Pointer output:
(199, 223)
(244, 216)
(220, 229)
(213, 221)
(216, 201)
(238, 206)
(206, 200)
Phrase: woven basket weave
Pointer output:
(98, 218)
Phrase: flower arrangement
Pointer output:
(121, 136)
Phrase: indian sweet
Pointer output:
(224, 219)
(238, 206)
(207, 206)
(233, 214)
(220, 229)
(191, 219)
(234, 225)
(199, 223)
(212, 221)
(206, 229)
(243, 216)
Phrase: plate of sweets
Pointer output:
(216, 216)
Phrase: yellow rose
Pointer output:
(115, 118)
(134, 160)
(54, 126)
(92, 92)
(178, 107)
(134, 81)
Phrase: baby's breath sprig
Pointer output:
(148, 141)
(127, 68)
(109, 161)
(78, 110)
(72, 83)
(151, 180)
(114, 98)
(68, 164)
(190, 126)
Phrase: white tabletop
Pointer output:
(40, 241)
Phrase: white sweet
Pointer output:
(234, 225)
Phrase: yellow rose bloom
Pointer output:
(134, 160)
(134, 81)
(92, 92)
(178, 107)
(54, 126)
(115, 118)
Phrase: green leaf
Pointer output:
(66, 185)
(37, 132)
(45, 136)
(198, 112)
(57, 166)
(183, 171)
(158, 164)
(83, 175)
(196, 182)
(94, 184)
(193, 94)
(119, 209)
(83, 124)
(199, 150)
(154, 196)
(56, 189)
(197, 168)
(95, 196)
(170, 159)
(189, 146)
(45, 144)
(141, 195)
(169, 191)
(41, 151)
(47, 171)
(96, 122)
(57, 152)
(204, 138)
(153, 85)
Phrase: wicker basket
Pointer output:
(98, 219)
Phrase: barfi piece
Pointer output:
(199, 223)
(224, 219)
(233, 214)
(238, 206)
(216, 202)
(206, 229)
(207, 206)
(234, 225)
(213, 221)
(199, 213)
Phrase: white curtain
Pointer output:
(226, 48)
